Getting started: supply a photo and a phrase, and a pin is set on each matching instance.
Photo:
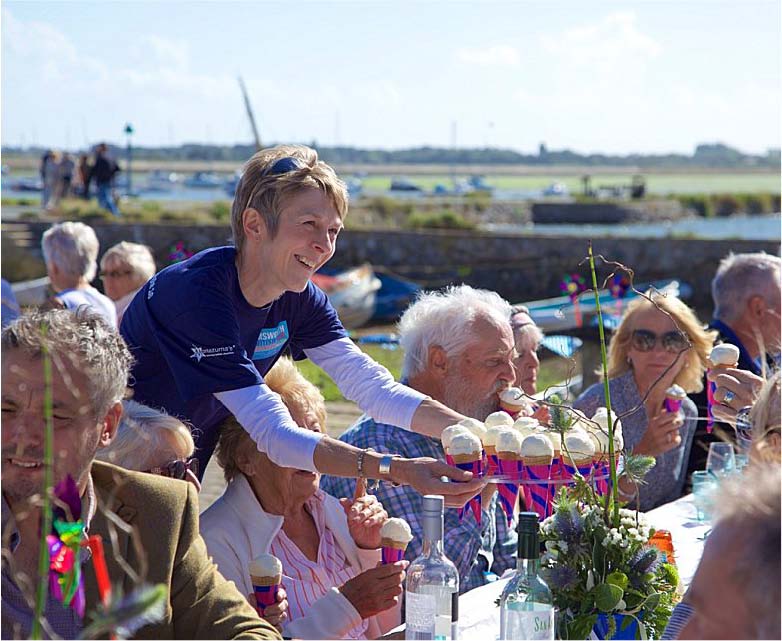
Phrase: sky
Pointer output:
(590, 75)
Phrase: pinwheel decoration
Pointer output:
(618, 287)
(65, 541)
(178, 253)
(572, 286)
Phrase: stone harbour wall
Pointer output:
(520, 267)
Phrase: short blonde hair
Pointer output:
(695, 359)
(286, 380)
(138, 259)
(147, 438)
(73, 247)
(265, 192)
(765, 418)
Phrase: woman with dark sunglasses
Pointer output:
(658, 343)
(151, 441)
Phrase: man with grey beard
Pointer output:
(459, 350)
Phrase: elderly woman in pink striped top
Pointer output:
(329, 549)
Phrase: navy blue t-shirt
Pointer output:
(193, 333)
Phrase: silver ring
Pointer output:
(728, 397)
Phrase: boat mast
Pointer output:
(250, 114)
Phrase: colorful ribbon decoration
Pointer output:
(508, 493)
(66, 582)
(476, 467)
(540, 493)
(178, 253)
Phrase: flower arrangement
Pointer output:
(597, 567)
(606, 578)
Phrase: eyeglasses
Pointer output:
(177, 469)
(116, 273)
(282, 166)
(644, 341)
(744, 424)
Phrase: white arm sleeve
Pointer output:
(367, 383)
(263, 414)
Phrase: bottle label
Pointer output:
(420, 611)
(521, 622)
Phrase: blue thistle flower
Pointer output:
(560, 577)
(646, 561)
(569, 525)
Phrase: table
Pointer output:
(479, 618)
(679, 518)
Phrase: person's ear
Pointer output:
(756, 306)
(253, 224)
(437, 361)
(110, 424)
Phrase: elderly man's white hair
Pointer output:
(445, 319)
(73, 247)
(739, 278)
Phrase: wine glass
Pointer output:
(721, 460)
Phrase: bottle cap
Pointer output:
(528, 522)
(433, 504)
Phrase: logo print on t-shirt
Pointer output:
(271, 340)
(198, 353)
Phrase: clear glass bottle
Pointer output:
(432, 587)
(526, 605)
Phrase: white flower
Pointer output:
(632, 532)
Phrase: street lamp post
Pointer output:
(129, 133)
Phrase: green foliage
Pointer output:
(726, 205)
(479, 200)
(446, 219)
(220, 211)
(699, 203)
(387, 207)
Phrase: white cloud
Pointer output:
(503, 55)
(613, 41)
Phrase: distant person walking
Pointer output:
(103, 172)
(49, 178)
(83, 173)
(66, 169)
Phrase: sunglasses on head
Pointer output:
(644, 340)
(177, 469)
(282, 166)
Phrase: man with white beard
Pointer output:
(459, 350)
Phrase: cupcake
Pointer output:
(578, 453)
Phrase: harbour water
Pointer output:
(766, 227)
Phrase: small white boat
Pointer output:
(352, 293)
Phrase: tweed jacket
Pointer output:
(159, 538)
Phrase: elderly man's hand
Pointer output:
(426, 476)
(366, 517)
(736, 388)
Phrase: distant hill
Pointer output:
(714, 155)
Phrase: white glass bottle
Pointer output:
(432, 587)
(526, 605)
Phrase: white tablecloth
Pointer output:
(479, 617)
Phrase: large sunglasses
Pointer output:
(177, 469)
(644, 341)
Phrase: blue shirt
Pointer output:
(476, 550)
(193, 333)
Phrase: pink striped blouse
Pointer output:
(305, 581)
